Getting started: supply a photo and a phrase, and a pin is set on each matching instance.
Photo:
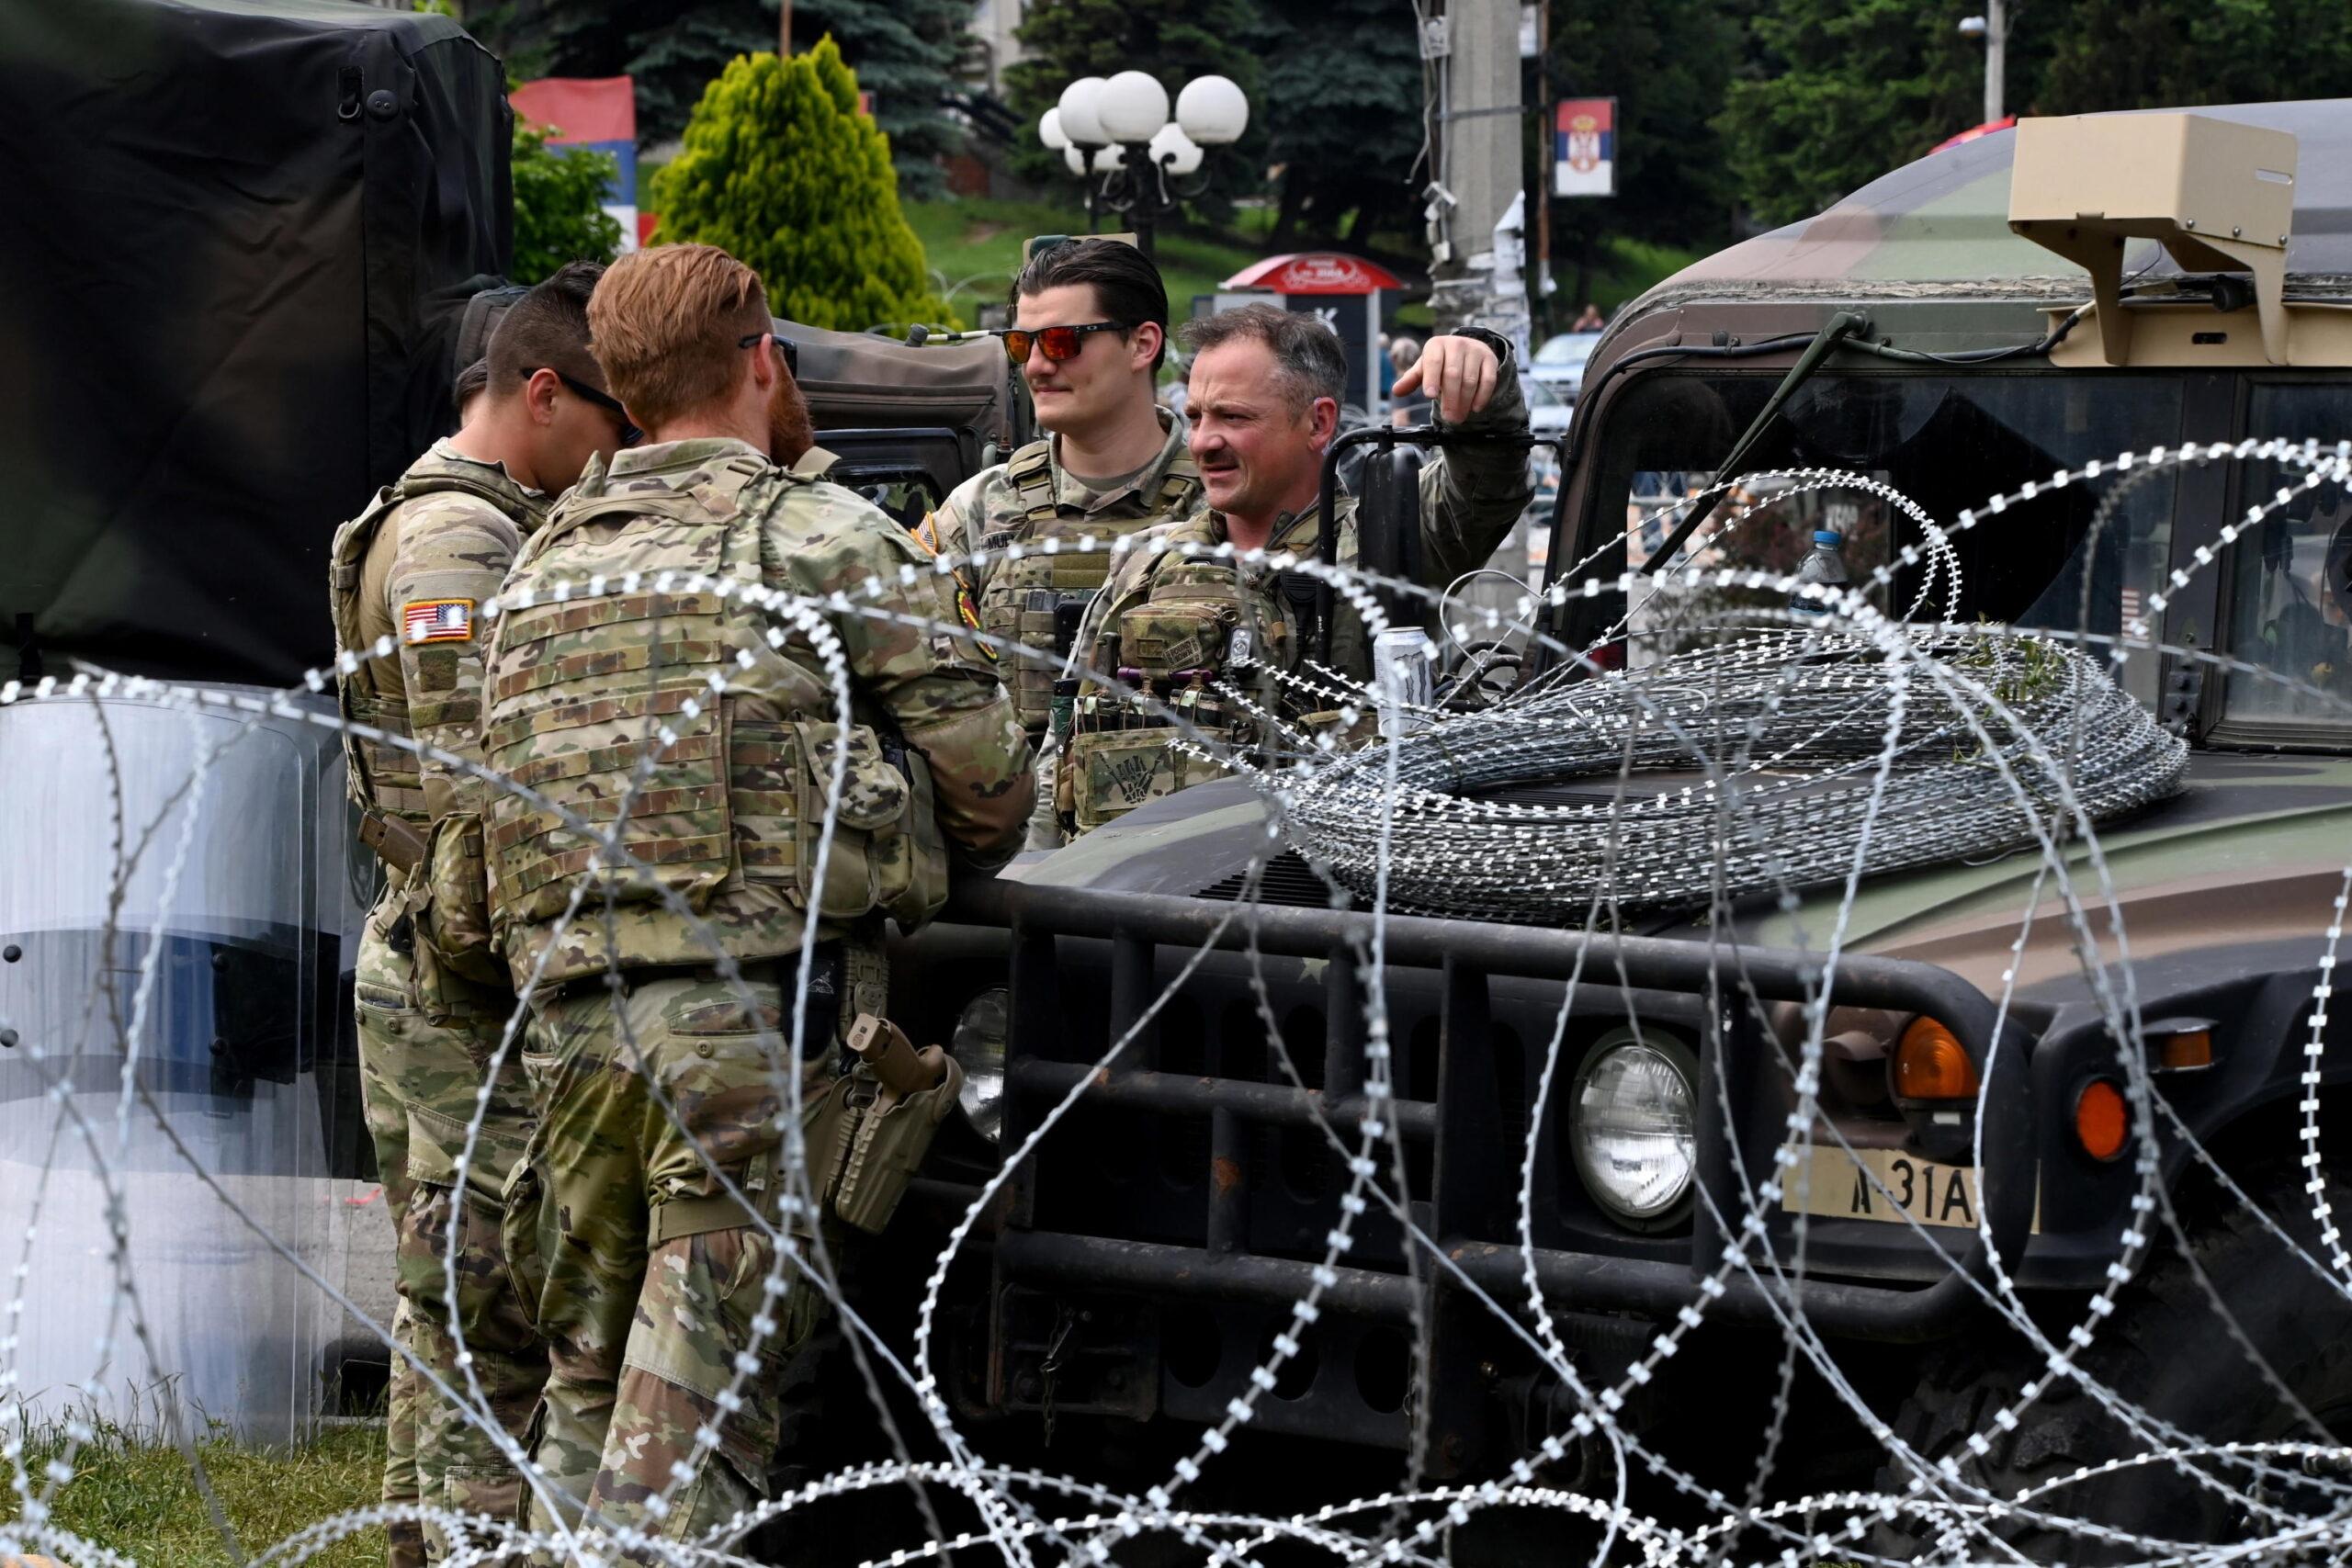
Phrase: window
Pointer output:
(1949, 443)
(2290, 575)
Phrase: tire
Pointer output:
(2168, 1351)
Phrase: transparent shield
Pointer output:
(162, 911)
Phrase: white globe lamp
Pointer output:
(1049, 131)
(1075, 159)
(1080, 108)
(1109, 160)
(1174, 151)
(1212, 110)
(1133, 107)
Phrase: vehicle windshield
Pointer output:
(1946, 442)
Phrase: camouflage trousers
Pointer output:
(657, 1285)
(425, 1037)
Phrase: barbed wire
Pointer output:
(1814, 752)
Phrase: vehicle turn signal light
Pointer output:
(2186, 1051)
(2102, 1120)
(1931, 1064)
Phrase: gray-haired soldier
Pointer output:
(1263, 405)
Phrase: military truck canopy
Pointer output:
(244, 232)
(1944, 220)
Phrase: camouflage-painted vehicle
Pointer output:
(1144, 1256)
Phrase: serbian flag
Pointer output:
(599, 113)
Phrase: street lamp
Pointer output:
(1115, 133)
(1993, 26)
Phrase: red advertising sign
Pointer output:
(1314, 272)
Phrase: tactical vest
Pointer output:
(1021, 598)
(1204, 625)
(382, 777)
(650, 705)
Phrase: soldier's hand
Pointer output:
(1459, 373)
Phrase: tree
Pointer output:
(559, 206)
(2171, 55)
(1174, 40)
(782, 172)
(904, 53)
(1344, 126)
(904, 50)
(1846, 90)
(1667, 62)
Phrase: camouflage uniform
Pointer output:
(649, 1276)
(431, 998)
(1186, 625)
(1030, 496)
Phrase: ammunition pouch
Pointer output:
(886, 854)
(1109, 772)
(1164, 637)
(453, 913)
(395, 839)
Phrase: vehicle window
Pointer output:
(1947, 442)
(2290, 575)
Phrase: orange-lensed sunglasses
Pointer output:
(1059, 343)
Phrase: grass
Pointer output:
(133, 1494)
(974, 244)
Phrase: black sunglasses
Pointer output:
(790, 350)
(630, 434)
(1059, 343)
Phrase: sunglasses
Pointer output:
(1059, 343)
(629, 434)
(790, 350)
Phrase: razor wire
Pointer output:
(1808, 752)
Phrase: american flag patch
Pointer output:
(437, 620)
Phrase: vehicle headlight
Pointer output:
(1631, 1123)
(978, 1049)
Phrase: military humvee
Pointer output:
(1142, 1257)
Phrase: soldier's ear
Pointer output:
(1144, 342)
(1323, 421)
(540, 391)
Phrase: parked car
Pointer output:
(1549, 408)
(1559, 364)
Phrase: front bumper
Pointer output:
(1194, 1174)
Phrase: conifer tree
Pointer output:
(782, 172)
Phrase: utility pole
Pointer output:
(1475, 129)
(1996, 55)
(783, 31)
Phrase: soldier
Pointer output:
(1090, 332)
(707, 730)
(1263, 405)
(432, 998)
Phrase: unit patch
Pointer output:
(437, 620)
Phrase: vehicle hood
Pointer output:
(2254, 849)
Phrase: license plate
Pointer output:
(1928, 1191)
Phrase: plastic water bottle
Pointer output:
(1824, 565)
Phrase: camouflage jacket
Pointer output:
(602, 676)
(1184, 625)
(1032, 496)
(416, 566)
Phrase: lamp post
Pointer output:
(1993, 26)
(1115, 134)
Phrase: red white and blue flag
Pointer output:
(1584, 147)
(599, 113)
(437, 620)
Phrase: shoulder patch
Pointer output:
(437, 620)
